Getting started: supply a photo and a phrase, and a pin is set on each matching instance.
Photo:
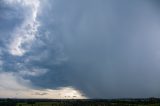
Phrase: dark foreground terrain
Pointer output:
(80, 102)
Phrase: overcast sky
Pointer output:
(79, 48)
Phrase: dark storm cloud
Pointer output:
(104, 48)
(112, 46)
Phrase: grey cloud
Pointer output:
(105, 48)
(111, 46)
(37, 93)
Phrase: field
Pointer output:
(80, 102)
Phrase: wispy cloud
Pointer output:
(23, 35)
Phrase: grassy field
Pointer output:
(84, 104)
(90, 104)
(80, 102)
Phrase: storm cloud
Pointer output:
(103, 49)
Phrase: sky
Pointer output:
(64, 49)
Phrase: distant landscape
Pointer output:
(80, 102)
